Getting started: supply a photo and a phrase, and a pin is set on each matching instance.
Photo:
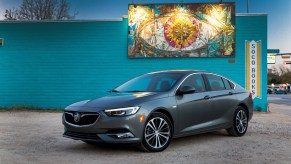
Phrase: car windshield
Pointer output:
(158, 82)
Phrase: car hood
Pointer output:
(116, 100)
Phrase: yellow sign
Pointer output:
(285, 56)
(271, 59)
(253, 67)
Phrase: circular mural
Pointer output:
(181, 32)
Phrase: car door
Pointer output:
(193, 108)
(223, 100)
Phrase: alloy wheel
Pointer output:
(157, 132)
(241, 121)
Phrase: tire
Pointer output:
(157, 133)
(90, 142)
(239, 124)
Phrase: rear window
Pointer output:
(231, 85)
(226, 84)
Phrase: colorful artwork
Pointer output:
(176, 30)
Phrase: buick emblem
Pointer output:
(77, 117)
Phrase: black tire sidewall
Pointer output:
(145, 144)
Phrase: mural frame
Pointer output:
(139, 45)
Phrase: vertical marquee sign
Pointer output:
(253, 67)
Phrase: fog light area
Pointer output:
(124, 135)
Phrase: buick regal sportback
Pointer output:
(153, 108)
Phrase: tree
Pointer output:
(286, 77)
(11, 14)
(41, 10)
(273, 78)
(281, 75)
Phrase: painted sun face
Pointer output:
(181, 32)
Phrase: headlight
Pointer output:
(122, 111)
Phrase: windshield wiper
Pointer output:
(113, 90)
(134, 91)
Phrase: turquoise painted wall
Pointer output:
(53, 64)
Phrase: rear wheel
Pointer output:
(240, 123)
(157, 133)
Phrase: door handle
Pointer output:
(230, 93)
(207, 97)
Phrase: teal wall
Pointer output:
(53, 64)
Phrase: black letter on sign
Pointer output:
(253, 70)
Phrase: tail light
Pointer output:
(250, 95)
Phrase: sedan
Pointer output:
(281, 92)
(152, 109)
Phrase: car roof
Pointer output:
(179, 71)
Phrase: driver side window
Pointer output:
(195, 81)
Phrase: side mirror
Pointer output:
(186, 90)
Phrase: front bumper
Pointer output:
(107, 129)
(94, 137)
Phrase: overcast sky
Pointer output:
(279, 14)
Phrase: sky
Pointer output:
(279, 14)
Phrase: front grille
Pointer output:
(77, 135)
(85, 118)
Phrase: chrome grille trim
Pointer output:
(83, 114)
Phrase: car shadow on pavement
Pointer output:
(199, 138)
(83, 147)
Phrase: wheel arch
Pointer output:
(167, 113)
(245, 107)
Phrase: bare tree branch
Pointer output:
(41, 10)
(279, 75)
(11, 14)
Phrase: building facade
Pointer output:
(53, 64)
(277, 60)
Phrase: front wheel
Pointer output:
(157, 133)
(240, 123)
(90, 142)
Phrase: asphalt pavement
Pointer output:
(280, 103)
(280, 99)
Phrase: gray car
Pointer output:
(153, 108)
